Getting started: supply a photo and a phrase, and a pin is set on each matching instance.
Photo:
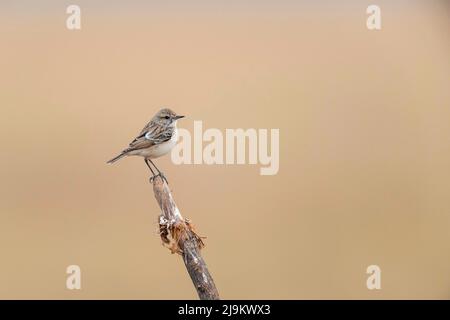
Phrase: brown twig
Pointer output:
(179, 236)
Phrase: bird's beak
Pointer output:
(178, 117)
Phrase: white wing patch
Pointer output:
(148, 136)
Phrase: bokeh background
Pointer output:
(364, 147)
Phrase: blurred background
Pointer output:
(364, 147)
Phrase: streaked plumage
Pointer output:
(156, 139)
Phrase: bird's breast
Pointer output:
(165, 147)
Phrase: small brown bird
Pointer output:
(156, 139)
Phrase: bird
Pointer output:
(156, 139)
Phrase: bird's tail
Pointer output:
(117, 157)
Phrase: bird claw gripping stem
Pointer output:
(160, 175)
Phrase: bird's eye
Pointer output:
(167, 117)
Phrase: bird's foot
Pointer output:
(161, 175)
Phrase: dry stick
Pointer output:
(178, 234)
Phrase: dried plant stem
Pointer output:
(179, 236)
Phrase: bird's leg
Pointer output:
(150, 167)
(159, 172)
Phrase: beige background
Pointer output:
(364, 148)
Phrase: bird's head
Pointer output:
(166, 117)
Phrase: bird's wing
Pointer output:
(147, 128)
(150, 136)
